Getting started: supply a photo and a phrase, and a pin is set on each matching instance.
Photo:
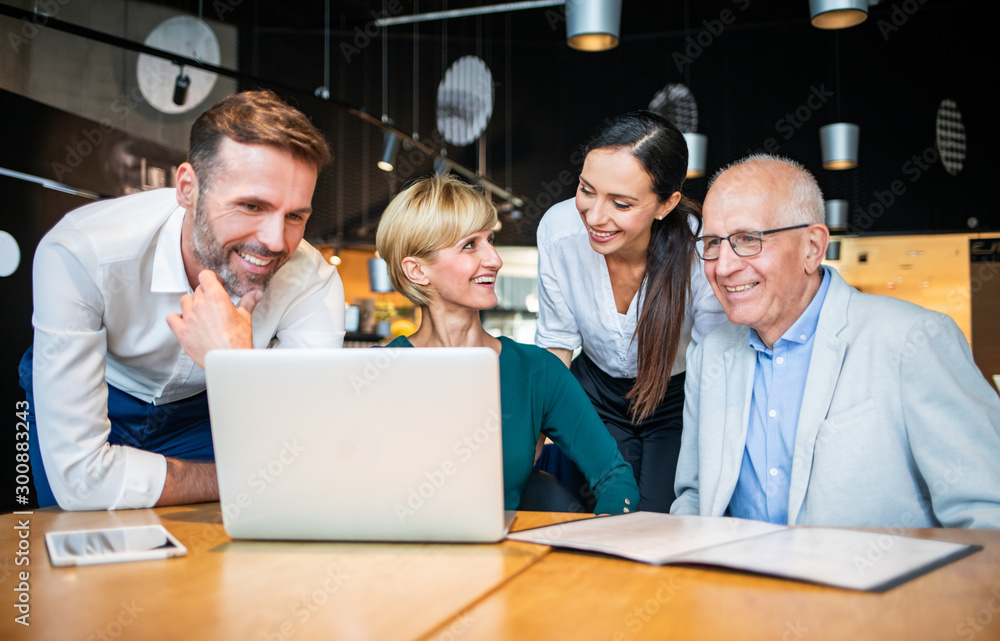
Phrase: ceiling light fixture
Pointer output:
(181, 85)
(839, 145)
(697, 152)
(390, 147)
(837, 14)
(378, 276)
(465, 13)
(390, 141)
(839, 141)
(836, 214)
(593, 25)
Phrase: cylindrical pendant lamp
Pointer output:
(697, 145)
(593, 25)
(378, 276)
(836, 214)
(390, 147)
(839, 144)
(837, 14)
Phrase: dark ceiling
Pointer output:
(640, 18)
(763, 68)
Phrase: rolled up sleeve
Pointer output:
(557, 326)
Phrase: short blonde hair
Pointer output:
(430, 214)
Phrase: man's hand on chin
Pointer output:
(208, 319)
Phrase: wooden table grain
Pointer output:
(253, 591)
(578, 595)
(274, 591)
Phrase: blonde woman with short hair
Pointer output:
(437, 238)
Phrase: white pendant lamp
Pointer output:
(697, 152)
(837, 14)
(378, 276)
(836, 214)
(593, 25)
(839, 145)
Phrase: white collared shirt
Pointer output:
(105, 279)
(577, 305)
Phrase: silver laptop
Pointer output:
(390, 444)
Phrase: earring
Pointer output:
(659, 218)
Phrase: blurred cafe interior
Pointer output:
(890, 114)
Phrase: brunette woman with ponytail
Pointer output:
(617, 277)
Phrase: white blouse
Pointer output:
(577, 305)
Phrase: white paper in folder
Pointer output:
(857, 560)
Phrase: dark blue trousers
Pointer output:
(178, 430)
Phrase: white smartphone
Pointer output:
(112, 545)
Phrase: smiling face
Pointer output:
(464, 274)
(769, 291)
(249, 219)
(616, 201)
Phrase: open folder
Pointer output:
(871, 561)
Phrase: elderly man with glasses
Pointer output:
(820, 405)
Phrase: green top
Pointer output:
(539, 394)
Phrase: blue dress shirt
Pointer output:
(778, 387)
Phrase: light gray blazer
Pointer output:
(898, 428)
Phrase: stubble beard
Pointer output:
(215, 257)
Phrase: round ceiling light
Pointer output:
(465, 101)
(837, 14)
(159, 78)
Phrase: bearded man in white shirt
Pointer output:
(131, 293)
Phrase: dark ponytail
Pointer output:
(660, 149)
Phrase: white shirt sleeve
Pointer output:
(557, 324)
(84, 471)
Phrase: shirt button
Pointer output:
(779, 360)
(774, 471)
(772, 413)
(628, 502)
(625, 509)
(802, 337)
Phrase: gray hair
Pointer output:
(805, 205)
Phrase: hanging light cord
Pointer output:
(836, 68)
(385, 69)
(444, 62)
(416, 75)
(509, 168)
(326, 47)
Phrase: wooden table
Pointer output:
(273, 591)
(577, 595)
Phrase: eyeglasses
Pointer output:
(744, 243)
